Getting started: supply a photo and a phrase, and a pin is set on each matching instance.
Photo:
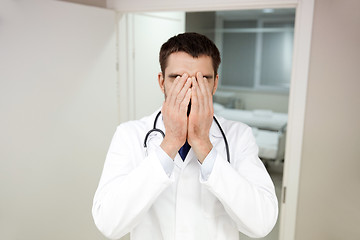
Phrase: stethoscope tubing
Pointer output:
(225, 140)
(154, 129)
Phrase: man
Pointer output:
(182, 186)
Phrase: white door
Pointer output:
(140, 94)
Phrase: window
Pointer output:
(257, 52)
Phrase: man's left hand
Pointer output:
(201, 117)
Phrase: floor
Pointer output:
(276, 174)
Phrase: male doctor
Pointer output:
(182, 186)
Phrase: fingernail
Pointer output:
(185, 75)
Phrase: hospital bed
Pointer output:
(269, 129)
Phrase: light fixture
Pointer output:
(268, 10)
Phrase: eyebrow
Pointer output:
(174, 75)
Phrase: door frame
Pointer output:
(298, 86)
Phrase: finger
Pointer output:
(180, 97)
(203, 84)
(194, 96)
(184, 104)
(178, 84)
(201, 96)
(170, 94)
(208, 95)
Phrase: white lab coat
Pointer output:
(136, 195)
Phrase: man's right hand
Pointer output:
(174, 113)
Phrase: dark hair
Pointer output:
(191, 43)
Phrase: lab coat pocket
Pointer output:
(210, 205)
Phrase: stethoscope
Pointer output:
(163, 134)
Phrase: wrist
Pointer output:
(202, 149)
(170, 147)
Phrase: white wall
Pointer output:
(250, 100)
(191, 5)
(278, 102)
(97, 3)
(329, 193)
(58, 111)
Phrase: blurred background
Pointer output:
(71, 71)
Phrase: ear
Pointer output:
(216, 81)
(161, 81)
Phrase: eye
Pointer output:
(208, 77)
(174, 76)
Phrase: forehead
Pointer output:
(181, 62)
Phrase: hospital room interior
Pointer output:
(72, 71)
(256, 49)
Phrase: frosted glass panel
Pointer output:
(276, 56)
(238, 62)
(276, 59)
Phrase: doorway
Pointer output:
(297, 92)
